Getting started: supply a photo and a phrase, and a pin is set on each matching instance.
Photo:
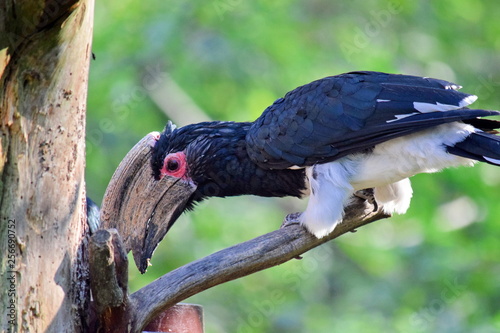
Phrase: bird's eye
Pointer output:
(174, 165)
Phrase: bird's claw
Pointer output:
(368, 195)
(291, 219)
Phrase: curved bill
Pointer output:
(141, 208)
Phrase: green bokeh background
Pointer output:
(435, 269)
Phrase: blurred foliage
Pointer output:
(435, 269)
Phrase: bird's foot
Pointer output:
(290, 219)
(368, 195)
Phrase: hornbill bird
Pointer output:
(326, 140)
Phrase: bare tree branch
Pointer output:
(240, 260)
(175, 103)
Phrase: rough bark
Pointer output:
(44, 59)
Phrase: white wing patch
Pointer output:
(467, 100)
(401, 116)
(398, 116)
(430, 107)
(492, 160)
(295, 167)
(433, 107)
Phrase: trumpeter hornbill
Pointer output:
(328, 139)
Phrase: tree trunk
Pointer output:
(45, 49)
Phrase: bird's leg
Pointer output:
(291, 219)
(330, 193)
(395, 197)
(368, 194)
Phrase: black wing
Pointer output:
(338, 115)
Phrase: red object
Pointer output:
(180, 318)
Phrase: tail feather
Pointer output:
(480, 146)
(485, 125)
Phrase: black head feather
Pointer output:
(218, 162)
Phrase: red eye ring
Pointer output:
(174, 165)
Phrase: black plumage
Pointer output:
(339, 115)
(320, 123)
(218, 162)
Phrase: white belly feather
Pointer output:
(386, 169)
